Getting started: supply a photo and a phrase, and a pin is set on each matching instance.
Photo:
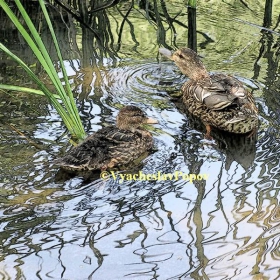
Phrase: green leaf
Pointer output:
(66, 106)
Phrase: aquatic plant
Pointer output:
(62, 100)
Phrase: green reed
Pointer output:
(62, 100)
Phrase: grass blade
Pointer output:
(68, 109)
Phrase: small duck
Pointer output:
(112, 146)
(219, 100)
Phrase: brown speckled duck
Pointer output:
(112, 146)
(218, 100)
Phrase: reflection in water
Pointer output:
(192, 39)
(224, 227)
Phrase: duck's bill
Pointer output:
(166, 52)
(151, 121)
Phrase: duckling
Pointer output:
(219, 100)
(112, 146)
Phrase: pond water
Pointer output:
(225, 224)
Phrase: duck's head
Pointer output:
(188, 62)
(131, 117)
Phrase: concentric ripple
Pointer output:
(143, 82)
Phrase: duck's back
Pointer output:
(222, 102)
(107, 148)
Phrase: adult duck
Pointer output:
(112, 146)
(219, 100)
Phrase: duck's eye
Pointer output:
(181, 56)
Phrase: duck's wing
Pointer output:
(125, 145)
(115, 136)
(122, 146)
(219, 92)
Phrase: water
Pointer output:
(224, 227)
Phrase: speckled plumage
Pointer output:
(111, 146)
(219, 100)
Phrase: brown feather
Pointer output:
(218, 100)
(111, 146)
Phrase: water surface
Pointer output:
(224, 227)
